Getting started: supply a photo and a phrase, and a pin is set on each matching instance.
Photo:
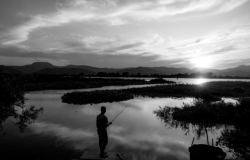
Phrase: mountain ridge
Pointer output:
(8, 70)
(62, 71)
(241, 71)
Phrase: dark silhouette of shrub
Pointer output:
(12, 96)
(96, 97)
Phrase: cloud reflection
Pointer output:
(87, 139)
(117, 129)
(80, 138)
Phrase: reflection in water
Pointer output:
(119, 137)
(234, 139)
(136, 130)
(65, 130)
(200, 129)
(237, 140)
(12, 103)
(79, 137)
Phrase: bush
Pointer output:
(96, 97)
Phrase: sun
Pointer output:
(202, 62)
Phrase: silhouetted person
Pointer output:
(102, 124)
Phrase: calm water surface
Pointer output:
(193, 80)
(65, 130)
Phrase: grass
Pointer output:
(208, 112)
(211, 91)
(95, 97)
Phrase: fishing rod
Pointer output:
(121, 112)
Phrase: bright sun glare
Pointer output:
(202, 62)
(201, 80)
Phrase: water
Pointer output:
(64, 131)
(71, 128)
(203, 80)
(188, 80)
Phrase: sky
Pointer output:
(126, 33)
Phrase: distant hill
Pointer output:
(243, 68)
(8, 70)
(93, 69)
(235, 72)
(205, 70)
(241, 71)
(61, 71)
(169, 71)
(140, 70)
(34, 67)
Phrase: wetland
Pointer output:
(159, 122)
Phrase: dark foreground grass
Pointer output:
(211, 91)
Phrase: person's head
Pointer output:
(103, 109)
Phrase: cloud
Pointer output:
(98, 40)
(155, 40)
(77, 55)
(217, 55)
(230, 5)
(113, 46)
(125, 47)
(114, 12)
(232, 31)
(235, 62)
(230, 48)
(226, 49)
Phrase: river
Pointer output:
(65, 131)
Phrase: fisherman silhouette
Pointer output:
(102, 124)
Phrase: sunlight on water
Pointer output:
(201, 80)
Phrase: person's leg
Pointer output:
(101, 143)
(105, 141)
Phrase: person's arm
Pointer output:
(108, 123)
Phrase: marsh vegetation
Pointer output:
(211, 91)
(202, 117)
(95, 97)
